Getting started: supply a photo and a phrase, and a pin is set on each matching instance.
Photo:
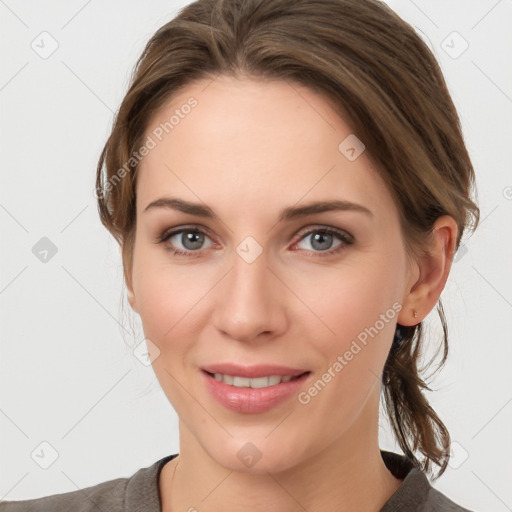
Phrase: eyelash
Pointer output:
(344, 236)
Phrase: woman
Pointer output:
(288, 182)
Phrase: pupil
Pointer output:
(321, 236)
(189, 239)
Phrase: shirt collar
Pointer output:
(142, 490)
(414, 489)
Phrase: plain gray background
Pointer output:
(68, 374)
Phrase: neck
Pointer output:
(349, 474)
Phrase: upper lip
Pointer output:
(251, 372)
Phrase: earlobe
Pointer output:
(131, 299)
(130, 293)
(434, 267)
(127, 273)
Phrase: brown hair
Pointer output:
(379, 74)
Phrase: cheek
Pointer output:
(173, 302)
(169, 298)
(358, 303)
(352, 299)
(166, 298)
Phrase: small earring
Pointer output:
(415, 313)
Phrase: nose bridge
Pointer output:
(248, 283)
(247, 305)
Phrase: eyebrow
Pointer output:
(289, 213)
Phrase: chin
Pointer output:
(256, 458)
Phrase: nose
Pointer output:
(251, 301)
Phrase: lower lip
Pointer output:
(252, 400)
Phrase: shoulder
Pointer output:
(437, 501)
(106, 495)
(140, 491)
(416, 493)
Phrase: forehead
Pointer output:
(247, 141)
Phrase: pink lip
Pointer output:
(264, 370)
(253, 400)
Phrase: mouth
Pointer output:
(250, 390)
(238, 381)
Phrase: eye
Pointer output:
(191, 239)
(322, 240)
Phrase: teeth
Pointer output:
(257, 382)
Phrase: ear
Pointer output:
(432, 270)
(129, 287)
(131, 296)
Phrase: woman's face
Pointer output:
(264, 281)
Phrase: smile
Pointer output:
(257, 382)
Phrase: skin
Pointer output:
(247, 150)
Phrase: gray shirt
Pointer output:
(140, 493)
